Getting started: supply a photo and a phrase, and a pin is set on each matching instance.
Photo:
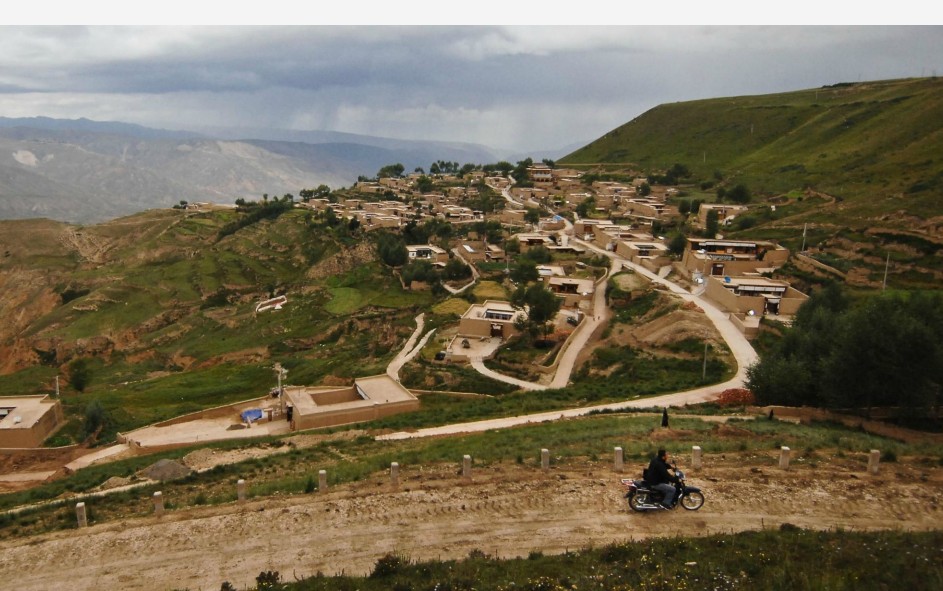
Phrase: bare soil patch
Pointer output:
(506, 510)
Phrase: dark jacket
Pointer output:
(658, 472)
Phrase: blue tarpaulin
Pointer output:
(251, 414)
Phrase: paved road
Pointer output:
(410, 349)
(741, 348)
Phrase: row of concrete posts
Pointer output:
(618, 464)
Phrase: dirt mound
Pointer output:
(662, 434)
(343, 261)
(166, 470)
(728, 430)
(113, 482)
(676, 326)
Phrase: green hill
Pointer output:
(864, 142)
(857, 166)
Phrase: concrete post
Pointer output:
(874, 459)
(545, 459)
(619, 460)
(696, 457)
(80, 514)
(158, 503)
(466, 467)
(394, 474)
(322, 480)
(784, 458)
(241, 490)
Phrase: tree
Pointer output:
(886, 350)
(541, 303)
(422, 271)
(739, 194)
(520, 171)
(392, 250)
(512, 246)
(532, 215)
(456, 269)
(391, 171)
(712, 225)
(550, 163)
(684, 207)
(424, 184)
(79, 374)
(94, 418)
(525, 271)
(644, 189)
(677, 244)
(585, 206)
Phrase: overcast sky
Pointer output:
(517, 88)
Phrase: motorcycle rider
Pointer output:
(661, 479)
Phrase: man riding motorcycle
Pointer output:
(660, 479)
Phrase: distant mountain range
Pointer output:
(89, 171)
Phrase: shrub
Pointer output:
(736, 397)
(387, 565)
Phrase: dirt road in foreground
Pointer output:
(506, 510)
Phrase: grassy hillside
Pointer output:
(163, 310)
(865, 142)
(856, 166)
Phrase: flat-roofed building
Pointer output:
(550, 271)
(650, 254)
(26, 421)
(427, 252)
(732, 257)
(494, 253)
(492, 318)
(532, 239)
(570, 289)
(760, 295)
(367, 399)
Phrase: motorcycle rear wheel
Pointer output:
(636, 501)
(692, 501)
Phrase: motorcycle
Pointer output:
(642, 497)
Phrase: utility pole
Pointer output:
(803, 237)
(57, 385)
(704, 369)
(886, 265)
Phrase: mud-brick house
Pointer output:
(491, 318)
(26, 421)
(709, 256)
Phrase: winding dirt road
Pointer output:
(506, 510)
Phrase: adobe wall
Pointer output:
(344, 417)
(215, 412)
(335, 396)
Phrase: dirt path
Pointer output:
(507, 510)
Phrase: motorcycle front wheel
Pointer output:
(692, 501)
(636, 501)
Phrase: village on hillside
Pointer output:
(557, 213)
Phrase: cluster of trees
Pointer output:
(392, 249)
(737, 194)
(672, 176)
(256, 211)
(321, 192)
(428, 273)
(883, 350)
